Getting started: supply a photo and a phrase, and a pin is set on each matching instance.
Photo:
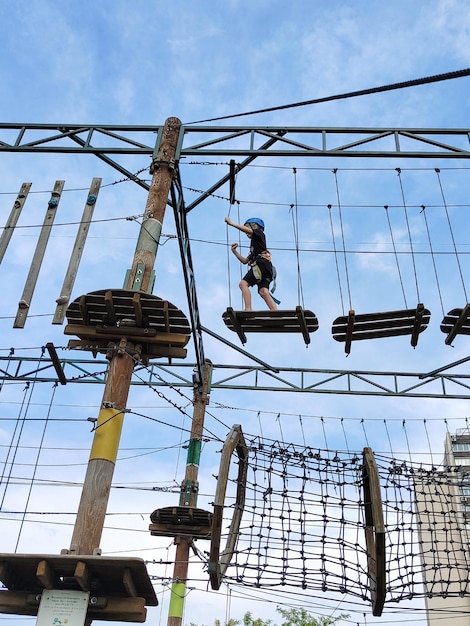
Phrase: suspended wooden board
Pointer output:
(100, 317)
(352, 327)
(296, 321)
(456, 322)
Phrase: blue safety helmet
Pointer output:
(255, 220)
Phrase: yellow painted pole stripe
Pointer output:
(107, 435)
(178, 591)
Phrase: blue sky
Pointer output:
(137, 63)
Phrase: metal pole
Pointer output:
(188, 497)
(97, 484)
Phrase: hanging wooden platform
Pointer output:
(354, 327)
(456, 322)
(172, 521)
(296, 321)
(119, 588)
(105, 316)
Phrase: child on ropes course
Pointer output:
(261, 272)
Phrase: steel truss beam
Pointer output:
(236, 377)
(248, 141)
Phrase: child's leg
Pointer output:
(264, 293)
(246, 294)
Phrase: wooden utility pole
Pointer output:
(123, 355)
(188, 497)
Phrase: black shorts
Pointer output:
(266, 268)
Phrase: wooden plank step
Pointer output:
(280, 321)
(355, 327)
(456, 322)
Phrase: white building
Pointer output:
(443, 508)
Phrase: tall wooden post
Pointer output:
(188, 497)
(97, 484)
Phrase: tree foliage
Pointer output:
(290, 617)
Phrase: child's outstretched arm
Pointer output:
(245, 229)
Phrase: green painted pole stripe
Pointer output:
(194, 452)
(178, 591)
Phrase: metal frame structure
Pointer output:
(437, 384)
(247, 143)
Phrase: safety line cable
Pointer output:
(437, 170)
(335, 172)
(351, 94)
(295, 223)
(423, 211)
(409, 232)
(336, 258)
(36, 464)
(396, 255)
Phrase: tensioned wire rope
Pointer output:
(17, 433)
(451, 232)
(295, 224)
(36, 465)
(351, 94)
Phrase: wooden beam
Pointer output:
(374, 532)
(139, 318)
(82, 305)
(349, 331)
(236, 324)
(77, 252)
(82, 576)
(56, 363)
(418, 321)
(147, 335)
(13, 218)
(30, 285)
(45, 574)
(463, 317)
(303, 324)
(108, 301)
(128, 583)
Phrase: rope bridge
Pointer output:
(312, 520)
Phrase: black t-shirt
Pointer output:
(257, 245)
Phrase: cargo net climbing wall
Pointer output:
(380, 529)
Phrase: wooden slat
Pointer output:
(38, 256)
(77, 252)
(13, 218)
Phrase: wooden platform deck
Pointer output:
(282, 321)
(353, 327)
(119, 588)
(100, 317)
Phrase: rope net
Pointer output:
(304, 524)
